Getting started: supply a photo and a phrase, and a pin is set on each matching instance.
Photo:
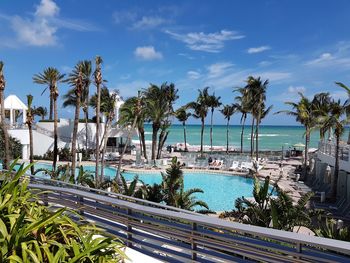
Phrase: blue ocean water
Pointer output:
(270, 137)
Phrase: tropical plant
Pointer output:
(153, 193)
(84, 68)
(347, 89)
(15, 146)
(228, 111)
(330, 230)
(40, 111)
(183, 116)
(213, 103)
(75, 80)
(85, 178)
(129, 189)
(31, 232)
(98, 82)
(158, 105)
(51, 77)
(6, 140)
(172, 180)
(127, 117)
(29, 122)
(184, 199)
(303, 111)
(336, 119)
(321, 107)
(200, 110)
(242, 105)
(267, 210)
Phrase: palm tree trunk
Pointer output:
(257, 139)
(74, 136)
(348, 142)
(143, 140)
(228, 123)
(117, 178)
(306, 154)
(202, 132)
(97, 139)
(55, 136)
(86, 113)
(185, 139)
(31, 148)
(252, 138)
(104, 146)
(211, 130)
(140, 142)
(162, 142)
(336, 168)
(242, 133)
(155, 129)
(5, 133)
(51, 105)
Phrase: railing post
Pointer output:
(45, 199)
(81, 204)
(299, 249)
(129, 229)
(193, 243)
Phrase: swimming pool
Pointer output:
(220, 190)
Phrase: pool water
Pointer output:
(220, 190)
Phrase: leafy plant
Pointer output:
(330, 230)
(31, 232)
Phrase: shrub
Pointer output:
(31, 232)
(15, 147)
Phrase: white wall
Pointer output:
(325, 158)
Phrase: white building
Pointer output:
(43, 136)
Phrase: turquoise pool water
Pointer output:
(220, 190)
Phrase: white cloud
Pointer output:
(128, 89)
(120, 17)
(291, 94)
(193, 74)
(47, 8)
(147, 53)
(324, 57)
(148, 22)
(254, 50)
(40, 29)
(212, 42)
(297, 89)
(274, 76)
(339, 95)
(218, 69)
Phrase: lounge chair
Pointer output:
(92, 157)
(234, 166)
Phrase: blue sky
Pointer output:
(297, 45)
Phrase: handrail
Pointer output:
(175, 235)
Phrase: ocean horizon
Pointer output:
(271, 137)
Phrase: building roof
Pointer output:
(12, 102)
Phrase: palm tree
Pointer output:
(131, 130)
(98, 82)
(172, 180)
(228, 111)
(40, 111)
(85, 178)
(303, 111)
(347, 89)
(183, 116)
(158, 105)
(242, 104)
(108, 109)
(263, 112)
(337, 119)
(129, 190)
(127, 116)
(70, 98)
(3, 122)
(29, 122)
(152, 193)
(186, 200)
(76, 81)
(213, 102)
(51, 77)
(200, 110)
(321, 107)
(170, 95)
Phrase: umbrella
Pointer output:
(299, 145)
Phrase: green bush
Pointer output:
(15, 147)
(32, 232)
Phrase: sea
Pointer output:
(270, 137)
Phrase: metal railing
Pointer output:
(175, 235)
(329, 149)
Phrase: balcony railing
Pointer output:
(175, 235)
(329, 149)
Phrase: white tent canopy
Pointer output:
(12, 103)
